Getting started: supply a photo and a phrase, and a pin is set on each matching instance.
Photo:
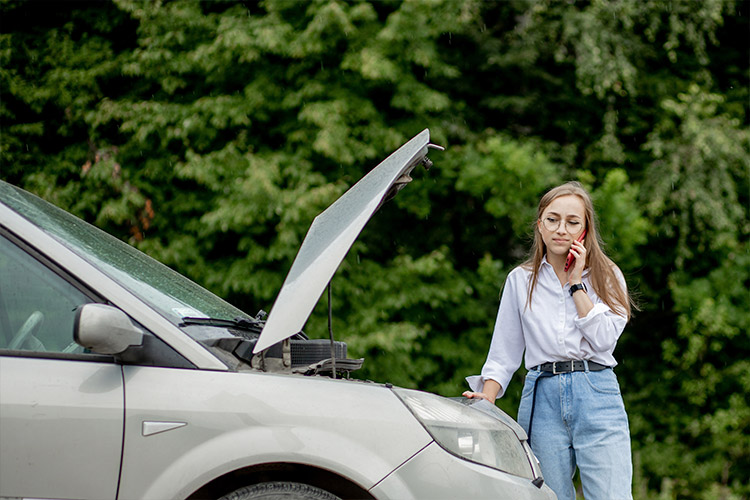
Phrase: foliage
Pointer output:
(209, 134)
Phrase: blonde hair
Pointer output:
(602, 270)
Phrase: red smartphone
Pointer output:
(571, 258)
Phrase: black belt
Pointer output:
(556, 368)
(569, 366)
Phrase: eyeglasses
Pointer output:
(552, 223)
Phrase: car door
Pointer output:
(61, 409)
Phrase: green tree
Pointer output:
(209, 134)
(698, 188)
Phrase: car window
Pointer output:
(171, 294)
(37, 306)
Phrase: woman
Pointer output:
(568, 321)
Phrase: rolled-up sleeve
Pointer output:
(602, 327)
(507, 346)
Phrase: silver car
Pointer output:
(121, 379)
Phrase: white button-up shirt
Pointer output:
(549, 329)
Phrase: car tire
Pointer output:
(280, 491)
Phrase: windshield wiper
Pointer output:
(238, 323)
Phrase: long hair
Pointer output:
(602, 271)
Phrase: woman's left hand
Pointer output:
(575, 272)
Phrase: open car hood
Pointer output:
(330, 237)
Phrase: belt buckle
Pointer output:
(554, 368)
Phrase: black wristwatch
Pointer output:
(576, 287)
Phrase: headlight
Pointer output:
(468, 433)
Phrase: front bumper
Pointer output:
(436, 474)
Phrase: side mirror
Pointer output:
(105, 329)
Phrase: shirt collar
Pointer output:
(584, 274)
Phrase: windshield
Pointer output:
(171, 294)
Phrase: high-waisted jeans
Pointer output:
(580, 420)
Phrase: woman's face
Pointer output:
(562, 222)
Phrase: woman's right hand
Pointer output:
(470, 395)
(490, 390)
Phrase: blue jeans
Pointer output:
(580, 420)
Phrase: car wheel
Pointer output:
(280, 491)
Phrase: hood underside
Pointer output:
(330, 237)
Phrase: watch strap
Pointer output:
(576, 287)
